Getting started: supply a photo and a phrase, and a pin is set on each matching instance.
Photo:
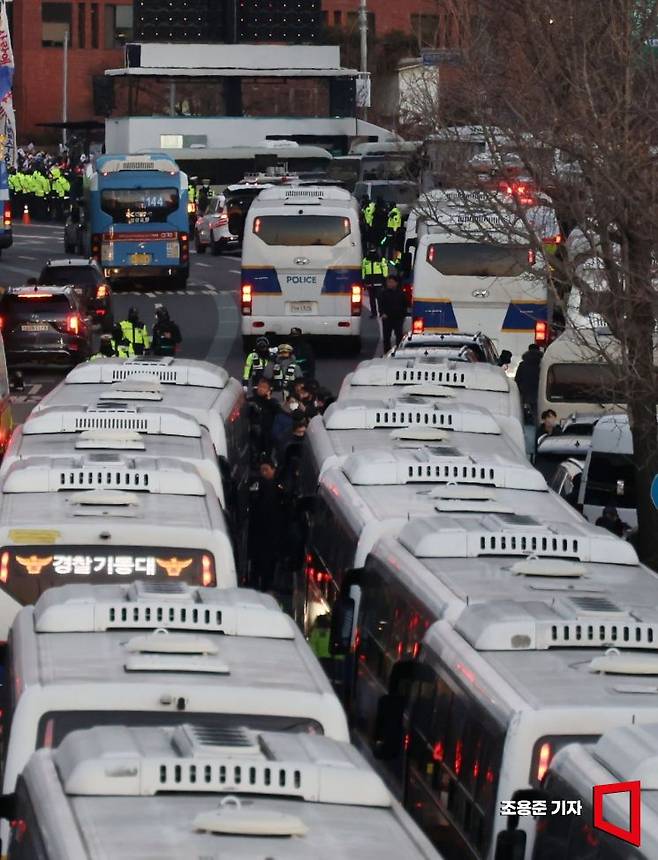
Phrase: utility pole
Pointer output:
(363, 32)
(65, 94)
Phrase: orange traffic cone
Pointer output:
(26, 215)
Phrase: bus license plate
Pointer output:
(301, 307)
(140, 259)
(34, 327)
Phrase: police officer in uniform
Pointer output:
(284, 370)
(192, 202)
(134, 333)
(374, 272)
(256, 362)
(166, 333)
(204, 193)
(393, 231)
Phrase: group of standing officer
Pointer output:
(43, 191)
(382, 227)
(130, 336)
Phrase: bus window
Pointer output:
(471, 259)
(298, 230)
(139, 205)
(583, 383)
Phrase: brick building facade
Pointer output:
(98, 29)
(96, 33)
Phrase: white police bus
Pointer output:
(103, 518)
(351, 425)
(192, 792)
(158, 654)
(455, 382)
(301, 264)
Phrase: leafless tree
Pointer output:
(566, 93)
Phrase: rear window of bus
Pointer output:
(583, 383)
(139, 205)
(299, 230)
(471, 259)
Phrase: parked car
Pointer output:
(87, 279)
(212, 229)
(45, 325)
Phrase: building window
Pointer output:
(118, 26)
(338, 18)
(55, 22)
(94, 25)
(426, 29)
(82, 23)
(353, 21)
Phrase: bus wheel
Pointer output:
(178, 282)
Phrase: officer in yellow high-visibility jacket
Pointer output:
(374, 272)
(134, 334)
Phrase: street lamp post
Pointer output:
(65, 93)
(363, 32)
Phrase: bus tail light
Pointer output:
(543, 760)
(96, 244)
(184, 247)
(541, 332)
(6, 215)
(418, 326)
(245, 300)
(355, 302)
(101, 291)
(207, 573)
(4, 567)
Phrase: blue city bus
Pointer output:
(6, 236)
(136, 219)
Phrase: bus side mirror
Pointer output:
(387, 741)
(8, 806)
(510, 845)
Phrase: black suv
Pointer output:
(44, 325)
(87, 278)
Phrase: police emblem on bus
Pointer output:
(33, 564)
(174, 566)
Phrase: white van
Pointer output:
(158, 654)
(108, 517)
(480, 273)
(301, 264)
(451, 382)
(575, 378)
(195, 793)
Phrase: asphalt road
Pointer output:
(207, 311)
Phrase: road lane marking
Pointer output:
(234, 271)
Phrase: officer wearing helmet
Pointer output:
(256, 362)
(166, 333)
(132, 334)
(284, 370)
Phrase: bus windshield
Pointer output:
(139, 205)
